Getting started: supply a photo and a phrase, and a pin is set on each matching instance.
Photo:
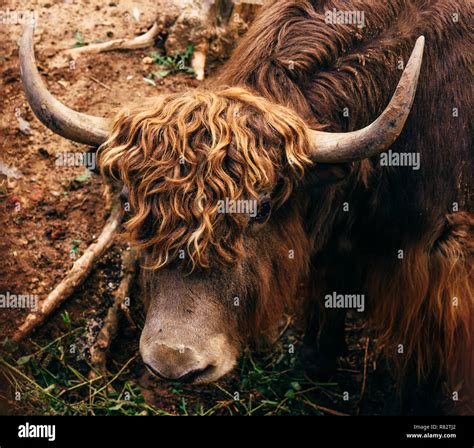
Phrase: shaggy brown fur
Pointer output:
(184, 154)
(309, 69)
(424, 301)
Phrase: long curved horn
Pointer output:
(56, 116)
(379, 135)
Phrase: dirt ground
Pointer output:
(50, 214)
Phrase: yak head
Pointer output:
(211, 178)
(216, 201)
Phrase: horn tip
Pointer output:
(420, 43)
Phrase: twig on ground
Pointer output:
(325, 409)
(111, 322)
(105, 86)
(139, 42)
(75, 276)
(289, 321)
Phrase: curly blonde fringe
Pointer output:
(184, 153)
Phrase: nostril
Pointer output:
(186, 377)
(193, 375)
(154, 371)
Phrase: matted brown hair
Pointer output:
(186, 152)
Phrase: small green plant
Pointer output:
(75, 246)
(66, 317)
(84, 177)
(172, 64)
(79, 39)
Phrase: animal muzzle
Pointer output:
(176, 363)
(199, 360)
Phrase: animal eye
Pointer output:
(263, 211)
